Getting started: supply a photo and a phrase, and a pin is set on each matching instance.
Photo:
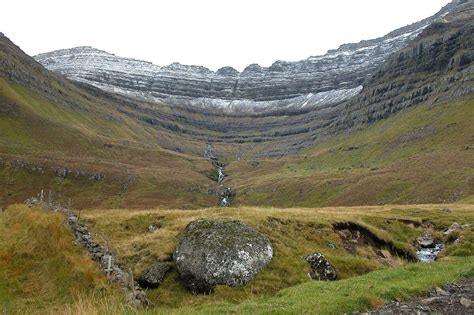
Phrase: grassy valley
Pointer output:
(369, 182)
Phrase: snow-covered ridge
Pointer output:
(316, 81)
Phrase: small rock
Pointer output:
(321, 269)
(430, 300)
(153, 276)
(425, 239)
(440, 291)
(331, 245)
(133, 301)
(455, 227)
(152, 228)
(465, 302)
(385, 253)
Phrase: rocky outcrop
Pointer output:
(250, 128)
(320, 268)
(212, 252)
(437, 63)
(339, 73)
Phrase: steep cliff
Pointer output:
(436, 66)
(339, 74)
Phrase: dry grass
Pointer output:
(293, 232)
(40, 268)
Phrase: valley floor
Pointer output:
(374, 258)
(381, 237)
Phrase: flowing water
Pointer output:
(429, 254)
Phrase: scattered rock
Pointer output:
(455, 227)
(321, 269)
(138, 299)
(211, 252)
(152, 228)
(465, 302)
(430, 300)
(154, 276)
(452, 298)
(440, 291)
(331, 245)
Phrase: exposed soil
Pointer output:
(358, 240)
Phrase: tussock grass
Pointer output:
(40, 268)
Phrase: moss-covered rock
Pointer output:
(211, 252)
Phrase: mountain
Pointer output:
(316, 81)
(117, 150)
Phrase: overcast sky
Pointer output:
(212, 33)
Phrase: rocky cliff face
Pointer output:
(327, 79)
(437, 65)
(434, 66)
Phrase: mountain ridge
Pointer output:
(256, 88)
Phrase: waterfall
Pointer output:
(225, 194)
(220, 172)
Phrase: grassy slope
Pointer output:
(294, 233)
(40, 268)
(416, 156)
(98, 139)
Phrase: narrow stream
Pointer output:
(429, 254)
(428, 248)
(225, 194)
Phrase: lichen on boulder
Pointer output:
(212, 252)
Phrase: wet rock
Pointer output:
(154, 276)
(321, 269)
(425, 240)
(226, 195)
(429, 254)
(211, 252)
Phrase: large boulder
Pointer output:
(211, 252)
